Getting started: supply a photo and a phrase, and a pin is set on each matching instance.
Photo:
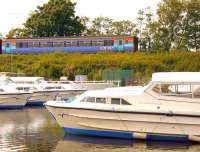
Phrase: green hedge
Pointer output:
(54, 65)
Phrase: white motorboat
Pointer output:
(159, 111)
(13, 100)
(50, 90)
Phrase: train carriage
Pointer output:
(73, 44)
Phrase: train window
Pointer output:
(74, 43)
(50, 44)
(58, 44)
(19, 45)
(78, 43)
(84, 43)
(87, 43)
(30, 44)
(81, 43)
(110, 43)
(22, 45)
(43, 44)
(36, 44)
(94, 43)
(67, 43)
(98, 43)
(105, 42)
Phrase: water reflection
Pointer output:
(84, 143)
(36, 130)
(28, 130)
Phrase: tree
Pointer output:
(140, 23)
(123, 28)
(17, 33)
(170, 14)
(192, 24)
(107, 26)
(100, 26)
(55, 18)
(1, 35)
(85, 21)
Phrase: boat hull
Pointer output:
(127, 125)
(13, 101)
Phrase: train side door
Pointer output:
(120, 45)
(7, 47)
(0, 46)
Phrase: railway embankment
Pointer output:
(54, 65)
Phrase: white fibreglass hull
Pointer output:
(13, 101)
(129, 122)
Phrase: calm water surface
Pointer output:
(33, 129)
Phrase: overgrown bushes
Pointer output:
(54, 65)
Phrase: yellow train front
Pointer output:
(70, 44)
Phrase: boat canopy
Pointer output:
(176, 77)
(4, 79)
(113, 93)
(27, 79)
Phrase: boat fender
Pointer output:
(194, 138)
(139, 135)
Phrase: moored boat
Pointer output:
(13, 100)
(43, 90)
(152, 112)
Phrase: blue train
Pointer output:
(69, 44)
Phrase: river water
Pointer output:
(34, 130)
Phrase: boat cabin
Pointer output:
(175, 84)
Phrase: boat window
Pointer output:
(23, 88)
(90, 99)
(33, 88)
(83, 100)
(181, 90)
(156, 88)
(20, 88)
(124, 102)
(100, 100)
(115, 101)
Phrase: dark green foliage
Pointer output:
(55, 18)
(54, 65)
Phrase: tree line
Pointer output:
(176, 25)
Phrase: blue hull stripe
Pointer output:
(101, 133)
(8, 107)
(126, 135)
(35, 103)
(157, 137)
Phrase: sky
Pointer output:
(13, 13)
